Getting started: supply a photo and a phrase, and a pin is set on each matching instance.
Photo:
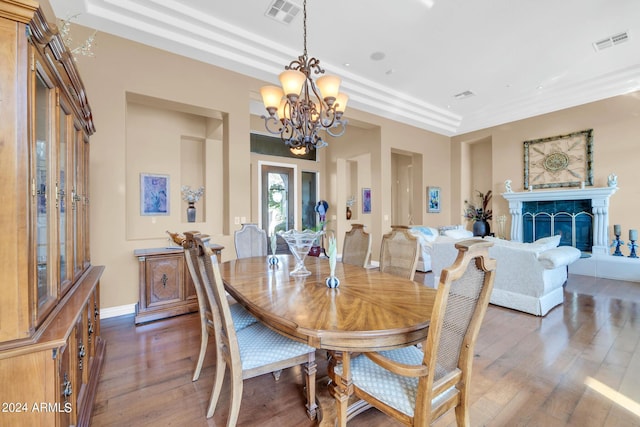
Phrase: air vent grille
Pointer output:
(283, 11)
(611, 41)
(463, 95)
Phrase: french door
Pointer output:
(278, 197)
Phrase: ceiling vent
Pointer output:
(463, 95)
(283, 11)
(614, 40)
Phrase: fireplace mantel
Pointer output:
(599, 203)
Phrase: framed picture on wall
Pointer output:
(154, 194)
(433, 199)
(366, 200)
(559, 161)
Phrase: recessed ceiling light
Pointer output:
(346, 64)
(377, 56)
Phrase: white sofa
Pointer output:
(529, 276)
(427, 235)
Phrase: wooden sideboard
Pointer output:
(166, 288)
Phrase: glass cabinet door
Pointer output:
(85, 220)
(77, 210)
(62, 196)
(42, 110)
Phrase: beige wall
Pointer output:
(616, 131)
(204, 103)
(122, 69)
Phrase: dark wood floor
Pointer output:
(578, 366)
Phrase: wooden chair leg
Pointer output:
(217, 385)
(462, 410)
(310, 371)
(203, 350)
(236, 398)
(276, 374)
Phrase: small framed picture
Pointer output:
(154, 194)
(433, 199)
(366, 200)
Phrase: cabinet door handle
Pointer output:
(81, 353)
(164, 280)
(66, 387)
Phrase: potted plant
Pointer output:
(480, 214)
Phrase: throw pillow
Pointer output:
(458, 234)
(427, 233)
(549, 242)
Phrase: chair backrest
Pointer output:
(461, 303)
(208, 271)
(250, 241)
(356, 248)
(192, 266)
(399, 252)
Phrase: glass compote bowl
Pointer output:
(299, 244)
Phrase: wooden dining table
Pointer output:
(369, 311)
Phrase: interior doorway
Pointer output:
(406, 197)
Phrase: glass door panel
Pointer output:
(46, 288)
(278, 198)
(85, 201)
(76, 229)
(63, 134)
(309, 196)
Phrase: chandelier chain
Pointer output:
(304, 26)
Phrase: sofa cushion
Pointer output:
(558, 257)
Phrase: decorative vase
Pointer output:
(332, 282)
(191, 212)
(481, 228)
(299, 244)
(348, 212)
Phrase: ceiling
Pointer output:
(406, 60)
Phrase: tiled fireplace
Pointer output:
(581, 216)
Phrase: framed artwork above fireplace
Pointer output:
(559, 161)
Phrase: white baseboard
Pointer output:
(121, 310)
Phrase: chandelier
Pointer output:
(300, 109)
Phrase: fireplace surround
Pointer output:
(598, 198)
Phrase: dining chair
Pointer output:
(250, 241)
(356, 248)
(399, 252)
(249, 352)
(418, 386)
(241, 317)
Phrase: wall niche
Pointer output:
(184, 143)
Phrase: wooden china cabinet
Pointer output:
(50, 345)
